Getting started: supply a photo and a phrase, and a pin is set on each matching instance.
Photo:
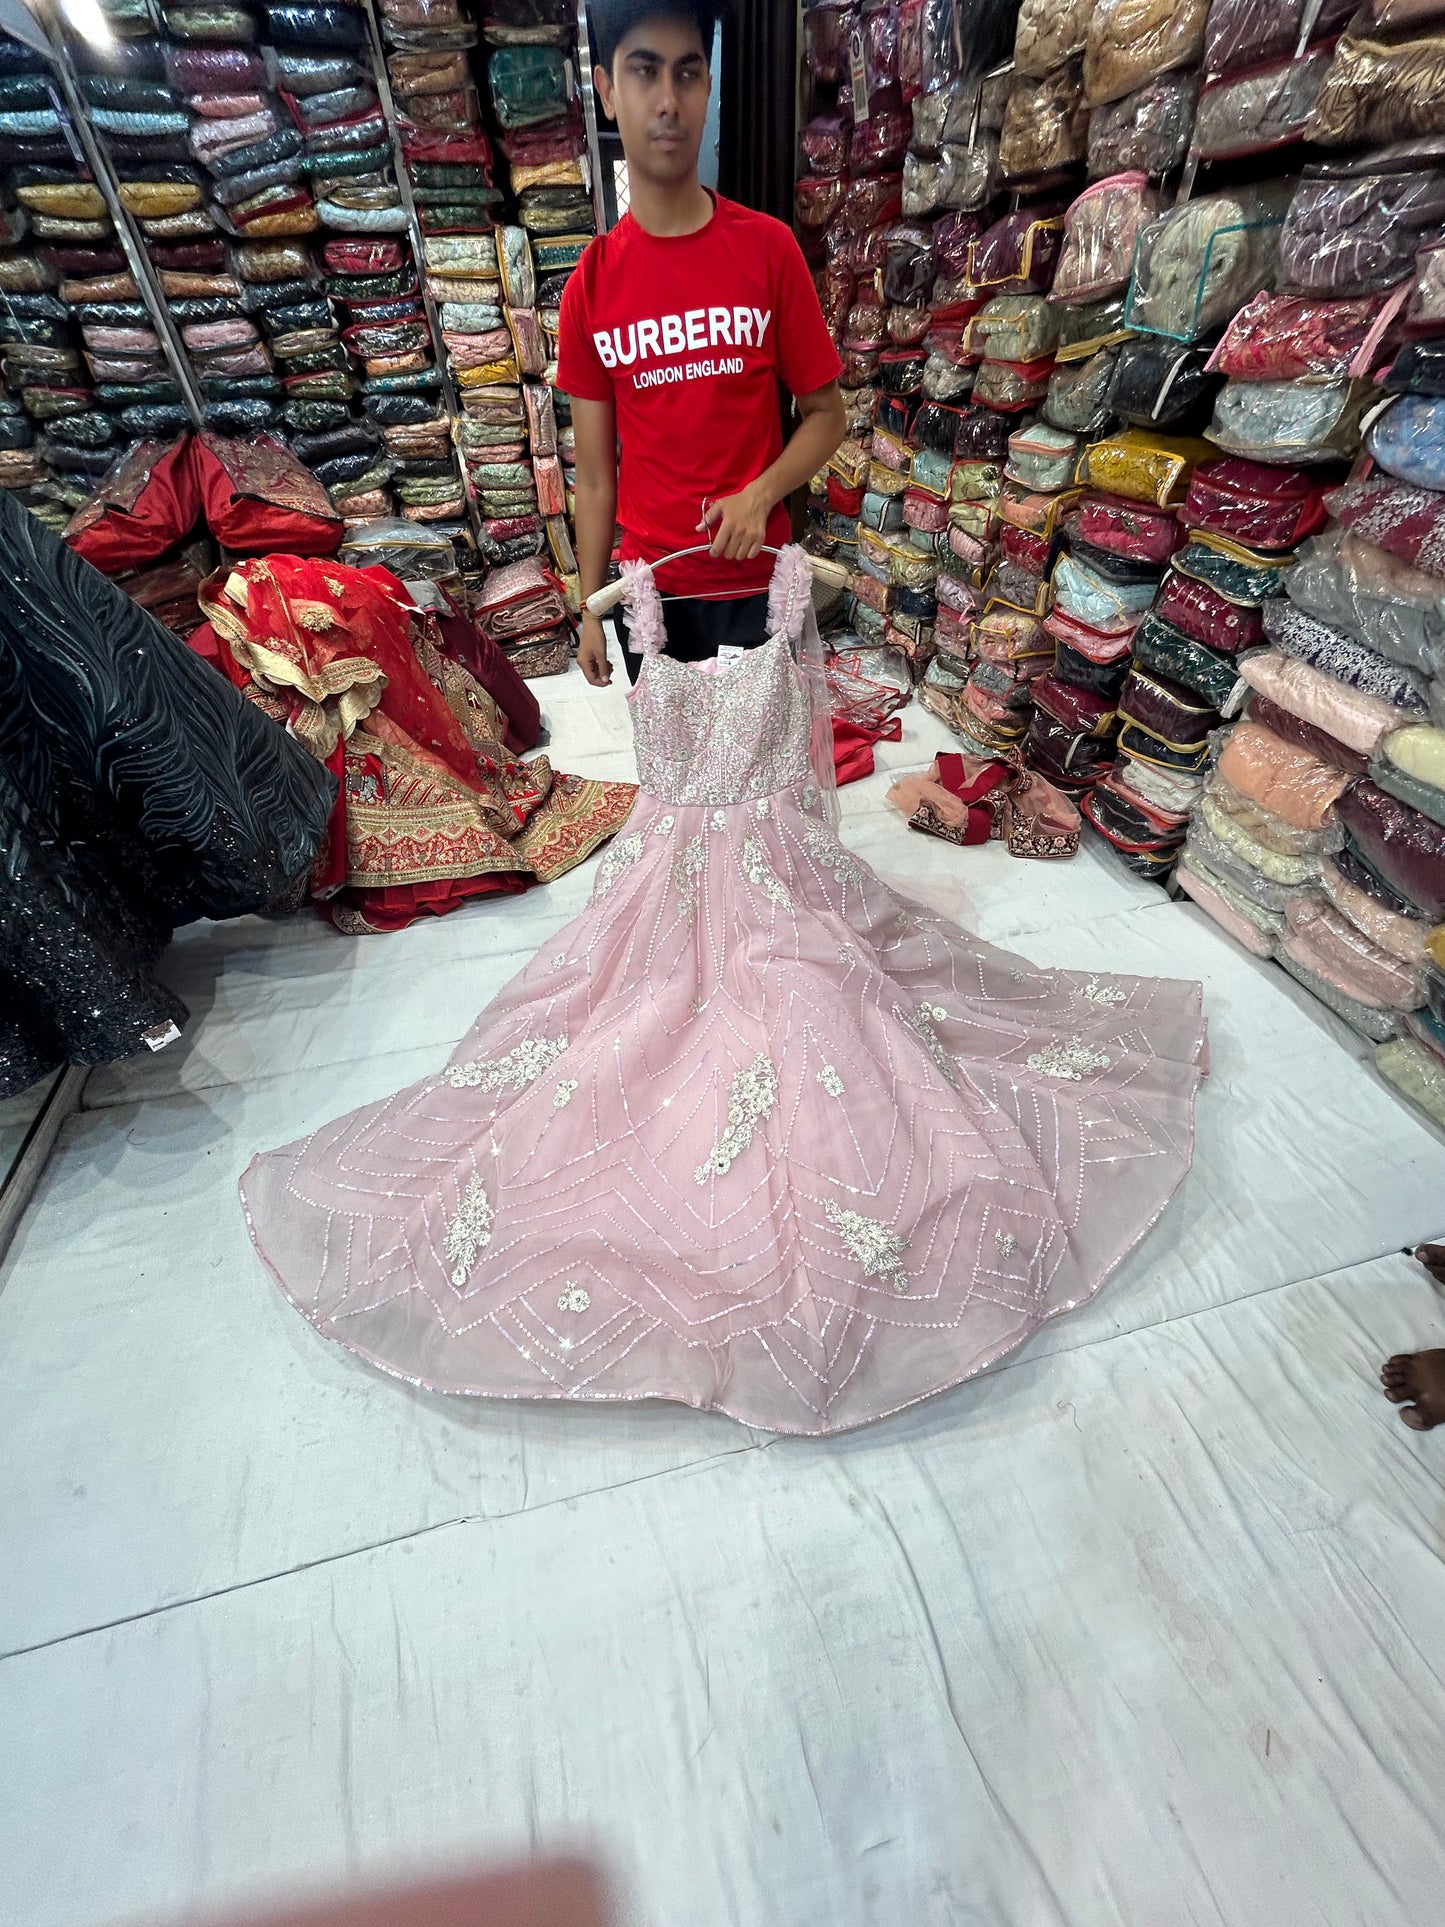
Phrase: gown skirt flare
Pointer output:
(753, 1133)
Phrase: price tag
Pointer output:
(860, 77)
(728, 656)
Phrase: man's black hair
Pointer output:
(613, 20)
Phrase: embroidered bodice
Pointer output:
(712, 734)
(720, 737)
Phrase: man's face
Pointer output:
(658, 94)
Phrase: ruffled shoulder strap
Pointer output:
(644, 609)
(790, 594)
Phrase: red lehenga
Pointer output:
(433, 809)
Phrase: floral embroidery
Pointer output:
(763, 810)
(719, 821)
(1007, 1243)
(574, 1298)
(757, 872)
(686, 873)
(1070, 1060)
(810, 796)
(924, 1019)
(663, 825)
(514, 1072)
(872, 1246)
(751, 1096)
(830, 1080)
(621, 856)
(470, 1231)
(564, 1092)
(1098, 992)
(826, 849)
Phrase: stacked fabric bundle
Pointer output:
(68, 303)
(450, 164)
(522, 608)
(1348, 893)
(531, 48)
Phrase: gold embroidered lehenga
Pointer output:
(433, 809)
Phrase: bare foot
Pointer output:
(1416, 1381)
(1432, 1257)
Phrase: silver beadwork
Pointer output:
(924, 1019)
(574, 1298)
(1007, 1243)
(622, 854)
(1069, 1060)
(514, 1072)
(829, 853)
(830, 1080)
(877, 1250)
(564, 1092)
(686, 873)
(1099, 992)
(751, 1096)
(470, 1231)
(759, 873)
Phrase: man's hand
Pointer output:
(592, 652)
(741, 522)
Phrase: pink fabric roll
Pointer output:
(1356, 965)
(1359, 721)
(205, 335)
(226, 106)
(1223, 913)
(1281, 777)
(1402, 937)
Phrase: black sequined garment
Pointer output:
(138, 791)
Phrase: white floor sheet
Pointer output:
(1146, 1629)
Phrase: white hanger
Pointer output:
(608, 598)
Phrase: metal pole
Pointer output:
(142, 270)
(589, 117)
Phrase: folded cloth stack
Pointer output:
(448, 155)
(531, 48)
(59, 427)
(522, 608)
(1161, 510)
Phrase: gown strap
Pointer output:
(644, 609)
(790, 594)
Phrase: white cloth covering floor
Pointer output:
(1146, 1629)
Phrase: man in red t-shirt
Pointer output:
(676, 329)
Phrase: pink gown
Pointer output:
(753, 1133)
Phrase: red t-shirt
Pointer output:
(689, 336)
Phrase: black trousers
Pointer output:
(696, 630)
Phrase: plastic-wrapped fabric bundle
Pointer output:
(1196, 265)
(1398, 936)
(1402, 846)
(1355, 718)
(1352, 229)
(1258, 110)
(1100, 232)
(1379, 91)
(1149, 129)
(1373, 974)
(1339, 655)
(1130, 41)
(1290, 422)
(1416, 1073)
(1282, 778)
(1158, 384)
(1335, 989)
(1245, 33)
(1252, 926)
(1045, 128)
